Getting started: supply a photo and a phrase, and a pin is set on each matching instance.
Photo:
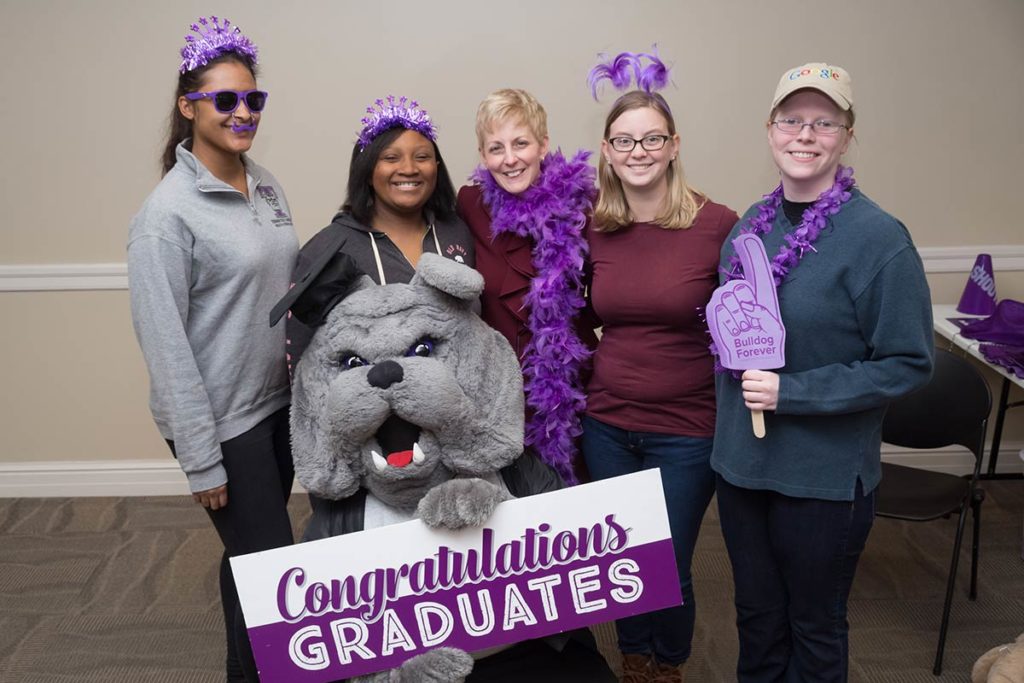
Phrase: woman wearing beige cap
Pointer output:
(796, 506)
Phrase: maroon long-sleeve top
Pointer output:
(652, 370)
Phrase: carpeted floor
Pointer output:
(115, 590)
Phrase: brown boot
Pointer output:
(666, 673)
(636, 668)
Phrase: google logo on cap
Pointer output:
(824, 73)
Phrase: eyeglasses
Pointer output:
(651, 143)
(226, 101)
(821, 126)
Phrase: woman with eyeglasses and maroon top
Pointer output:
(654, 246)
(796, 506)
(209, 254)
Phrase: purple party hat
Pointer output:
(392, 113)
(979, 297)
(215, 39)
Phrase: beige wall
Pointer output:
(87, 87)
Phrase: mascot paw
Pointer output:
(443, 665)
(1003, 664)
(460, 503)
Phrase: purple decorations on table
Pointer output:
(625, 67)
(552, 214)
(215, 39)
(391, 113)
(1004, 326)
(1010, 358)
(979, 297)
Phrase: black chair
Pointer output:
(952, 409)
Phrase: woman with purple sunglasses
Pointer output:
(209, 254)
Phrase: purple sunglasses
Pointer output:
(226, 101)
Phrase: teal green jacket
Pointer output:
(857, 313)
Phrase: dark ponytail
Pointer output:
(178, 127)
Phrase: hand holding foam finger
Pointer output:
(760, 389)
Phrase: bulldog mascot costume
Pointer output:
(407, 405)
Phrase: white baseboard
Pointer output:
(126, 478)
(83, 479)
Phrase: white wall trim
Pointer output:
(1005, 257)
(50, 277)
(127, 478)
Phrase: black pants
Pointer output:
(793, 563)
(260, 474)
(537, 662)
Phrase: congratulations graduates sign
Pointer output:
(363, 602)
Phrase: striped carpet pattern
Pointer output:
(118, 590)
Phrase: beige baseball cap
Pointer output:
(830, 80)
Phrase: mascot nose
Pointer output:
(383, 375)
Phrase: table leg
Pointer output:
(997, 434)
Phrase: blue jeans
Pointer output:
(689, 483)
(793, 562)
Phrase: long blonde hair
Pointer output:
(682, 202)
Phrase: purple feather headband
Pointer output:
(622, 69)
(395, 114)
(215, 39)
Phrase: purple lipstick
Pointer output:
(242, 127)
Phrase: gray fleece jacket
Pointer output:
(205, 266)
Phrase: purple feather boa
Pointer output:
(551, 213)
(797, 243)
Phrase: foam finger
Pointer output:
(757, 269)
(732, 304)
(726, 320)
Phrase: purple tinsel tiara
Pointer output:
(215, 39)
(625, 66)
(395, 114)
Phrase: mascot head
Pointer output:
(402, 387)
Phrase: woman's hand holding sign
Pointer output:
(760, 389)
(744, 320)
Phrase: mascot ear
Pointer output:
(455, 279)
(315, 292)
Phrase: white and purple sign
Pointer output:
(363, 602)
(743, 315)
